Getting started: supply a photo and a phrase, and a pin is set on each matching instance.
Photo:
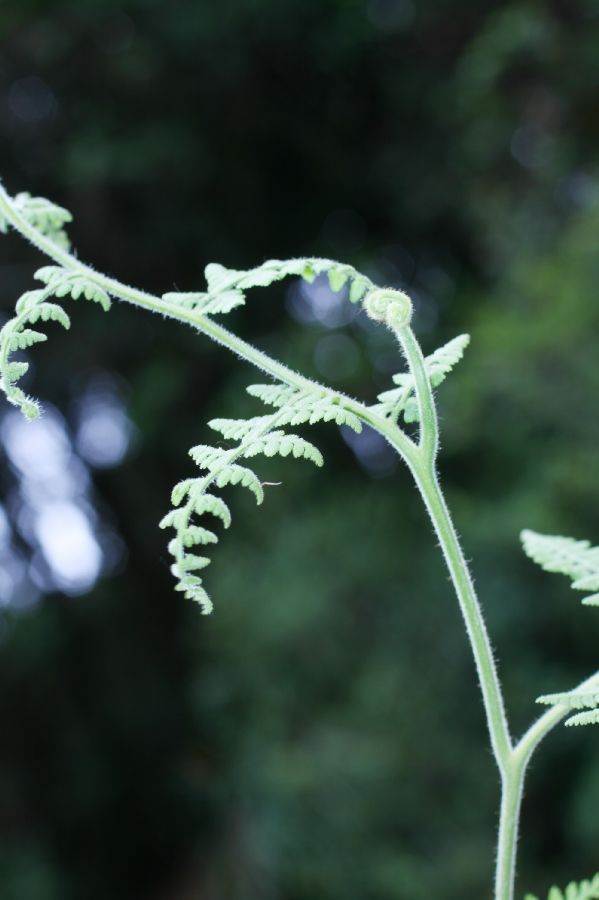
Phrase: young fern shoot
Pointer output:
(293, 401)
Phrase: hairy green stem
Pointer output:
(424, 472)
(436, 506)
(512, 791)
(425, 476)
(427, 410)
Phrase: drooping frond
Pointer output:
(16, 335)
(226, 287)
(192, 499)
(401, 400)
(576, 559)
(222, 465)
(32, 307)
(582, 890)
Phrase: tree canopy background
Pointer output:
(321, 735)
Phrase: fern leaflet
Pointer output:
(49, 218)
(578, 699)
(226, 287)
(583, 890)
(576, 559)
(402, 399)
(580, 562)
(305, 406)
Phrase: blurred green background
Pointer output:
(321, 736)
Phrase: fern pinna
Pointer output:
(293, 401)
(580, 562)
(582, 890)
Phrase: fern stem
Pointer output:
(424, 472)
(438, 511)
(512, 786)
(429, 429)
(511, 769)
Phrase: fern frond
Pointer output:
(226, 287)
(582, 890)
(402, 399)
(16, 335)
(576, 559)
(254, 436)
(34, 306)
(580, 562)
(47, 217)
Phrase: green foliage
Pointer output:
(576, 559)
(44, 216)
(305, 406)
(296, 400)
(260, 435)
(226, 287)
(15, 335)
(33, 306)
(484, 75)
(402, 400)
(583, 890)
(580, 562)
(64, 283)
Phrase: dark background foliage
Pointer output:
(321, 735)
